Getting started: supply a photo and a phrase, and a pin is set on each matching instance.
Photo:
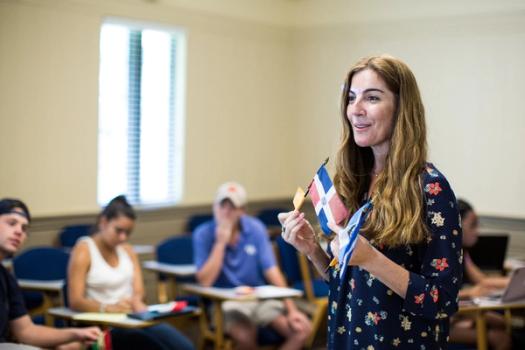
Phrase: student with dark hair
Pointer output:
(14, 320)
(479, 284)
(105, 276)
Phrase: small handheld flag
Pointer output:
(348, 236)
(328, 206)
(298, 198)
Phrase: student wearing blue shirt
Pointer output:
(234, 250)
(402, 281)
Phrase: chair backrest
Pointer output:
(41, 263)
(176, 250)
(298, 272)
(196, 220)
(269, 216)
(69, 235)
(289, 261)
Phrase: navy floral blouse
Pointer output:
(363, 313)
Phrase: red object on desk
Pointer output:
(179, 305)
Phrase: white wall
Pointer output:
(470, 70)
(263, 87)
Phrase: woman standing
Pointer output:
(104, 276)
(402, 282)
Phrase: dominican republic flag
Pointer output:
(328, 206)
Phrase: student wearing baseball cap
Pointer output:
(14, 320)
(234, 250)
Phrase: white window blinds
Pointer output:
(140, 114)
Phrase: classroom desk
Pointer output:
(479, 310)
(143, 249)
(50, 289)
(104, 320)
(169, 290)
(170, 269)
(53, 286)
(218, 295)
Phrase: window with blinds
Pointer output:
(140, 136)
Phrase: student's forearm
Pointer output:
(46, 337)
(87, 305)
(495, 282)
(213, 266)
(388, 272)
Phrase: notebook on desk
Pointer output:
(155, 312)
(490, 251)
(515, 291)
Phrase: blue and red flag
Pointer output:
(328, 206)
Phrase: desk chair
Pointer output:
(298, 273)
(69, 235)
(213, 331)
(196, 220)
(43, 264)
(269, 217)
(174, 250)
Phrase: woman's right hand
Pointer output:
(298, 232)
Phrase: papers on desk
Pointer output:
(261, 292)
(171, 269)
(99, 317)
(273, 292)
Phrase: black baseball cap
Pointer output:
(8, 206)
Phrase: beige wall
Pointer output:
(263, 85)
(238, 84)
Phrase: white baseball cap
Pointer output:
(232, 191)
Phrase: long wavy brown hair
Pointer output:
(397, 217)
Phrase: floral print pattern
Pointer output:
(366, 314)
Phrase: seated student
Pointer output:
(14, 320)
(104, 276)
(481, 283)
(463, 329)
(234, 250)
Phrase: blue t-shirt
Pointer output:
(11, 302)
(363, 313)
(245, 262)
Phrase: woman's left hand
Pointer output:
(363, 250)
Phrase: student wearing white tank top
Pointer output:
(104, 275)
